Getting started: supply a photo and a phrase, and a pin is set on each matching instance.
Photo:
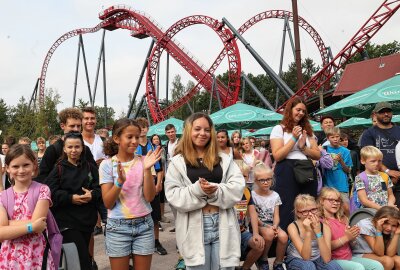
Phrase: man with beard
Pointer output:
(385, 136)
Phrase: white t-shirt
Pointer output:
(3, 165)
(171, 148)
(96, 147)
(397, 153)
(295, 153)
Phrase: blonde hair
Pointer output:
(186, 147)
(301, 201)
(370, 152)
(259, 168)
(332, 131)
(325, 191)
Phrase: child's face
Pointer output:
(334, 140)
(308, 210)
(344, 142)
(390, 226)
(246, 145)
(372, 164)
(264, 180)
(73, 148)
(222, 139)
(21, 169)
(128, 141)
(41, 145)
(331, 203)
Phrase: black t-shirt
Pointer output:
(214, 176)
(385, 140)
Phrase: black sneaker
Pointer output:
(160, 249)
(172, 230)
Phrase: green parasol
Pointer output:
(159, 128)
(363, 102)
(243, 116)
(363, 122)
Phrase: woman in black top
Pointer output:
(75, 192)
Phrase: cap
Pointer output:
(326, 117)
(382, 105)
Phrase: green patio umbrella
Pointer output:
(245, 133)
(363, 102)
(243, 116)
(363, 122)
(159, 128)
(267, 131)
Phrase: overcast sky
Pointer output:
(29, 28)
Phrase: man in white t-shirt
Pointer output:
(95, 144)
(170, 132)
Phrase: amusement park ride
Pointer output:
(142, 26)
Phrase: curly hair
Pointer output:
(288, 121)
(67, 113)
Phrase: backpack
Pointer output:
(355, 203)
(53, 236)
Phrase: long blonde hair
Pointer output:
(339, 215)
(186, 147)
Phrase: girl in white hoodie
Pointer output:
(203, 186)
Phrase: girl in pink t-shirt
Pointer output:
(23, 243)
(342, 235)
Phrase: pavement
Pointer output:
(159, 262)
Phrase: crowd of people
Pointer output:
(236, 201)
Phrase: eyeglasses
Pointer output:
(73, 135)
(266, 180)
(308, 211)
(332, 201)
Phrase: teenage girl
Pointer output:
(249, 156)
(75, 191)
(267, 203)
(379, 238)
(23, 243)
(128, 188)
(224, 143)
(310, 241)
(331, 206)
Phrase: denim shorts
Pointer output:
(129, 236)
(244, 243)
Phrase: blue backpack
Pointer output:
(355, 202)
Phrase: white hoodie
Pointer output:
(189, 199)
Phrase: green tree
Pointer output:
(376, 50)
(178, 90)
(22, 120)
(46, 117)
(4, 119)
(102, 120)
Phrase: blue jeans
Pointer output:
(211, 244)
(294, 263)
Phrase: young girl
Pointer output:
(267, 204)
(41, 145)
(310, 241)
(128, 188)
(224, 143)
(379, 238)
(331, 205)
(23, 243)
(75, 190)
(249, 156)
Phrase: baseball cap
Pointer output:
(382, 105)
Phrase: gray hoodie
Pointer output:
(189, 199)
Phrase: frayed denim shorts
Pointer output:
(129, 236)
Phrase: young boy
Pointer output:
(337, 177)
(378, 191)
(355, 169)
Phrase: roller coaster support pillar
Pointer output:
(34, 94)
(133, 101)
(167, 80)
(257, 92)
(98, 67)
(139, 107)
(86, 69)
(147, 112)
(76, 73)
(336, 77)
(243, 90)
(104, 86)
(297, 44)
(190, 107)
(216, 91)
(281, 84)
(285, 24)
(158, 82)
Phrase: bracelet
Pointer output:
(318, 235)
(387, 170)
(294, 139)
(341, 242)
(377, 234)
(118, 184)
(29, 227)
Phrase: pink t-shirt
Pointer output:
(25, 252)
(338, 230)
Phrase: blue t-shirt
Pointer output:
(385, 140)
(336, 177)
